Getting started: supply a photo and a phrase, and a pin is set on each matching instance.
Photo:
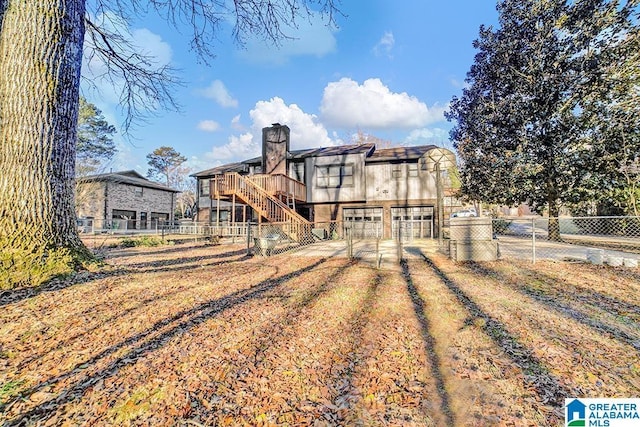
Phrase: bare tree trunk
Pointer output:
(40, 58)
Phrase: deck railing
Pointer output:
(264, 202)
(275, 185)
(280, 185)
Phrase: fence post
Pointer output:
(399, 246)
(533, 240)
(248, 238)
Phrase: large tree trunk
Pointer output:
(40, 58)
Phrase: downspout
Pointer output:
(106, 204)
(172, 212)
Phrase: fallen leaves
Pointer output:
(203, 335)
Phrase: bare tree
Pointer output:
(41, 50)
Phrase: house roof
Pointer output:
(129, 177)
(338, 150)
(231, 167)
(399, 153)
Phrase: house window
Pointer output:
(334, 176)
(297, 171)
(423, 164)
(204, 187)
(396, 171)
(412, 169)
(137, 191)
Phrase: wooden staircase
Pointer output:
(265, 194)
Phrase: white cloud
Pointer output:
(436, 136)
(384, 47)
(209, 125)
(151, 45)
(219, 93)
(347, 104)
(306, 132)
(240, 147)
(311, 37)
(236, 124)
(142, 41)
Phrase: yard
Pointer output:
(195, 334)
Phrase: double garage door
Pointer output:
(409, 222)
(413, 222)
(365, 223)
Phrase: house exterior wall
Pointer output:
(345, 193)
(385, 185)
(90, 200)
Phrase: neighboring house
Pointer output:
(123, 200)
(374, 189)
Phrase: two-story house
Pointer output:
(123, 200)
(373, 189)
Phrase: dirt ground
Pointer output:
(195, 334)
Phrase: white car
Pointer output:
(464, 213)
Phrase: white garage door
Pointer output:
(415, 222)
(365, 223)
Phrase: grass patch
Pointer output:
(24, 268)
(136, 405)
(9, 390)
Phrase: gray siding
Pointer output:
(383, 185)
(346, 193)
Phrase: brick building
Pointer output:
(123, 200)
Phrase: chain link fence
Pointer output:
(600, 240)
(334, 238)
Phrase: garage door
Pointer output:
(365, 223)
(415, 222)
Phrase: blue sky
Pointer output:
(388, 70)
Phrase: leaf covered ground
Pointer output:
(195, 334)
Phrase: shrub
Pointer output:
(500, 226)
(147, 241)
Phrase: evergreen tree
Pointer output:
(95, 144)
(166, 165)
(522, 132)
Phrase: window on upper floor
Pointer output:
(297, 171)
(334, 176)
(412, 169)
(205, 187)
(424, 166)
(137, 191)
